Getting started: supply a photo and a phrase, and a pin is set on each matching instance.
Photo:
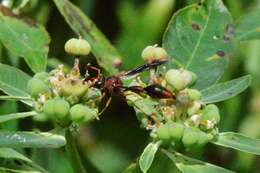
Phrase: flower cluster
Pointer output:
(64, 97)
(183, 120)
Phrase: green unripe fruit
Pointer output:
(81, 113)
(176, 131)
(163, 133)
(194, 108)
(48, 108)
(179, 79)
(41, 76)
(56, 108)
(211, 113)
(190, 137)
(202, 139)
(61, 108)
(194, 94)
(77, 47)
(36, 87)
(151, 53)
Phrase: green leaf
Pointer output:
(225, 90)
(31, 140)
(26, 40)
(187, 165)
(7, 170)
(148, 155)
(14, 116)
(9, 153)
(132, 168)
(107, 56)
(199, 38)
(8, 107)
(14, 82)
(239, 142)
(248, 27)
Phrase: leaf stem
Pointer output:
(73, 153)
(14, 98)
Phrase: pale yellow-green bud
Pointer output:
(77, 47)
(151, 53)
(179, 79)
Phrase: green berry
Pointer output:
(48, 108)
(194, 94)
(163, 133)
(202, 139)
(81, 113)
(41, 76)
(36, 87)
(211, 113)
(61, 108)
(56, 108)
(176, 131)
(190, 137)
(77, 47)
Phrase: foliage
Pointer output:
(60, 105)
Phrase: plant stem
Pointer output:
(14, 98)
(73, 153)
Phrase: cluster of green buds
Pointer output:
(184, 120)
(64, 97)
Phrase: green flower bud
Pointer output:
(48, 108)
(151, 53)
(211, 113)
(148, 53)
(194, 108)
(190, 137)
(179, 79)
(56, 108)
(176, 131)
(36, 87)
(77, 47)
(164, 134)
(160, 53)
(80, 113)
(61, 108)
(41, 76)
(194, 94)
(202, 139)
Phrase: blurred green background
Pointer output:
(115, 141)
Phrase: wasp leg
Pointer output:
(106, 106)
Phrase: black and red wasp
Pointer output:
(113, 85)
